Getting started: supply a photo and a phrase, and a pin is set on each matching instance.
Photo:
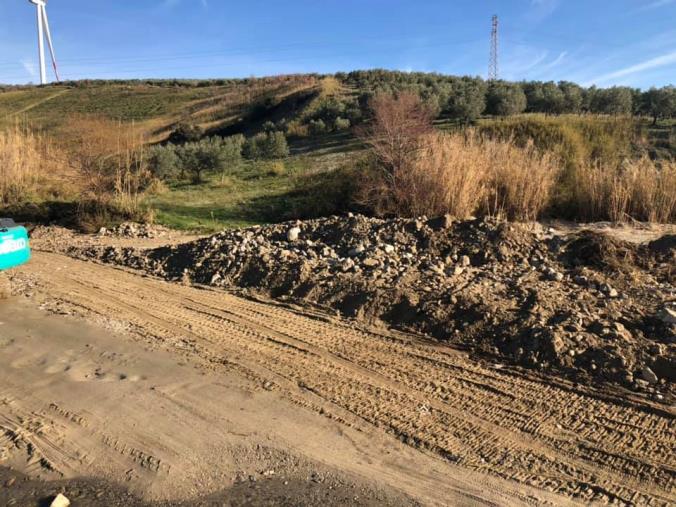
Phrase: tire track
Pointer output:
(431, 397)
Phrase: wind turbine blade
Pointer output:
(43, 9)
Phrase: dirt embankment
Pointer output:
(194, 386)
(583, 305)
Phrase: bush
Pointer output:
(325, 193)
(164, 162)
(277, 168)
(185, 133)
(463, 175)
(266, 146)
(317, 127)
(342, 124)
(213, 154)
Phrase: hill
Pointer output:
(317, 114)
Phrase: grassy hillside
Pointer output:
(317, 113)
(153, 107)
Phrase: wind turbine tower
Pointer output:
(43, 29)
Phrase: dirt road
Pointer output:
(421, 420)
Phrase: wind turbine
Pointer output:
(43, 28)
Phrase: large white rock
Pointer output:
(60, 501)
(293, 234)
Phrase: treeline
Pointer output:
(196, 156)
(469, 97)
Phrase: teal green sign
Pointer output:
(14, 247)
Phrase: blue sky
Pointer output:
(602, 42)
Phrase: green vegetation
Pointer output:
(220, 153)
(255, 193)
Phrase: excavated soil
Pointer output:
(195, 386)
(583, 305)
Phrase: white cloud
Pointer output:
(656, 4)
(29, 67)
(653, 63)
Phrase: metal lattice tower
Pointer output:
(493, 63)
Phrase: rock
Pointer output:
(649, 375)
(293, 234)
(60, 501)
(440, 223)
(388, 248)
(581, 280)
(359, 249)
(608, 290)
(370, 263)
(553, 274)
(667, 314)
(622, 331)
(464, 261)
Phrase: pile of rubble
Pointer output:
(585, 305)
(134, 230)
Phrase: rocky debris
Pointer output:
(293, 234)
(668, 314)
(60, 501)
(134, 230)
(586, 306)
(649, 376)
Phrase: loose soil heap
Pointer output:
(584, 305)
(134, 230)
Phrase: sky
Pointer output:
(600, 42)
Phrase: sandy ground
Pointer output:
(176, 393)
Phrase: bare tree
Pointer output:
(394, 134)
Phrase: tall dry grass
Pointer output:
(32, 168)
(112, 162)
(465, 174)
(635, 190)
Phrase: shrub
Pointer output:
(463, 174)
(277, 168)
(341, 124)
(324, 193)
(317, 127)
(164, 162)
(185, 133)
(395, 129)
(214, 154)
(266, 146)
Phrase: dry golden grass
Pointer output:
(638, 190)
(32, 168)
(464, 174)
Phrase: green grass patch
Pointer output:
(251, 194)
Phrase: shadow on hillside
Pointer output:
(340, 142)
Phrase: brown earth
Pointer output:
(192, 389)
(577, 303)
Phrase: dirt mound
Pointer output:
(586, 306)
(135, 230)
